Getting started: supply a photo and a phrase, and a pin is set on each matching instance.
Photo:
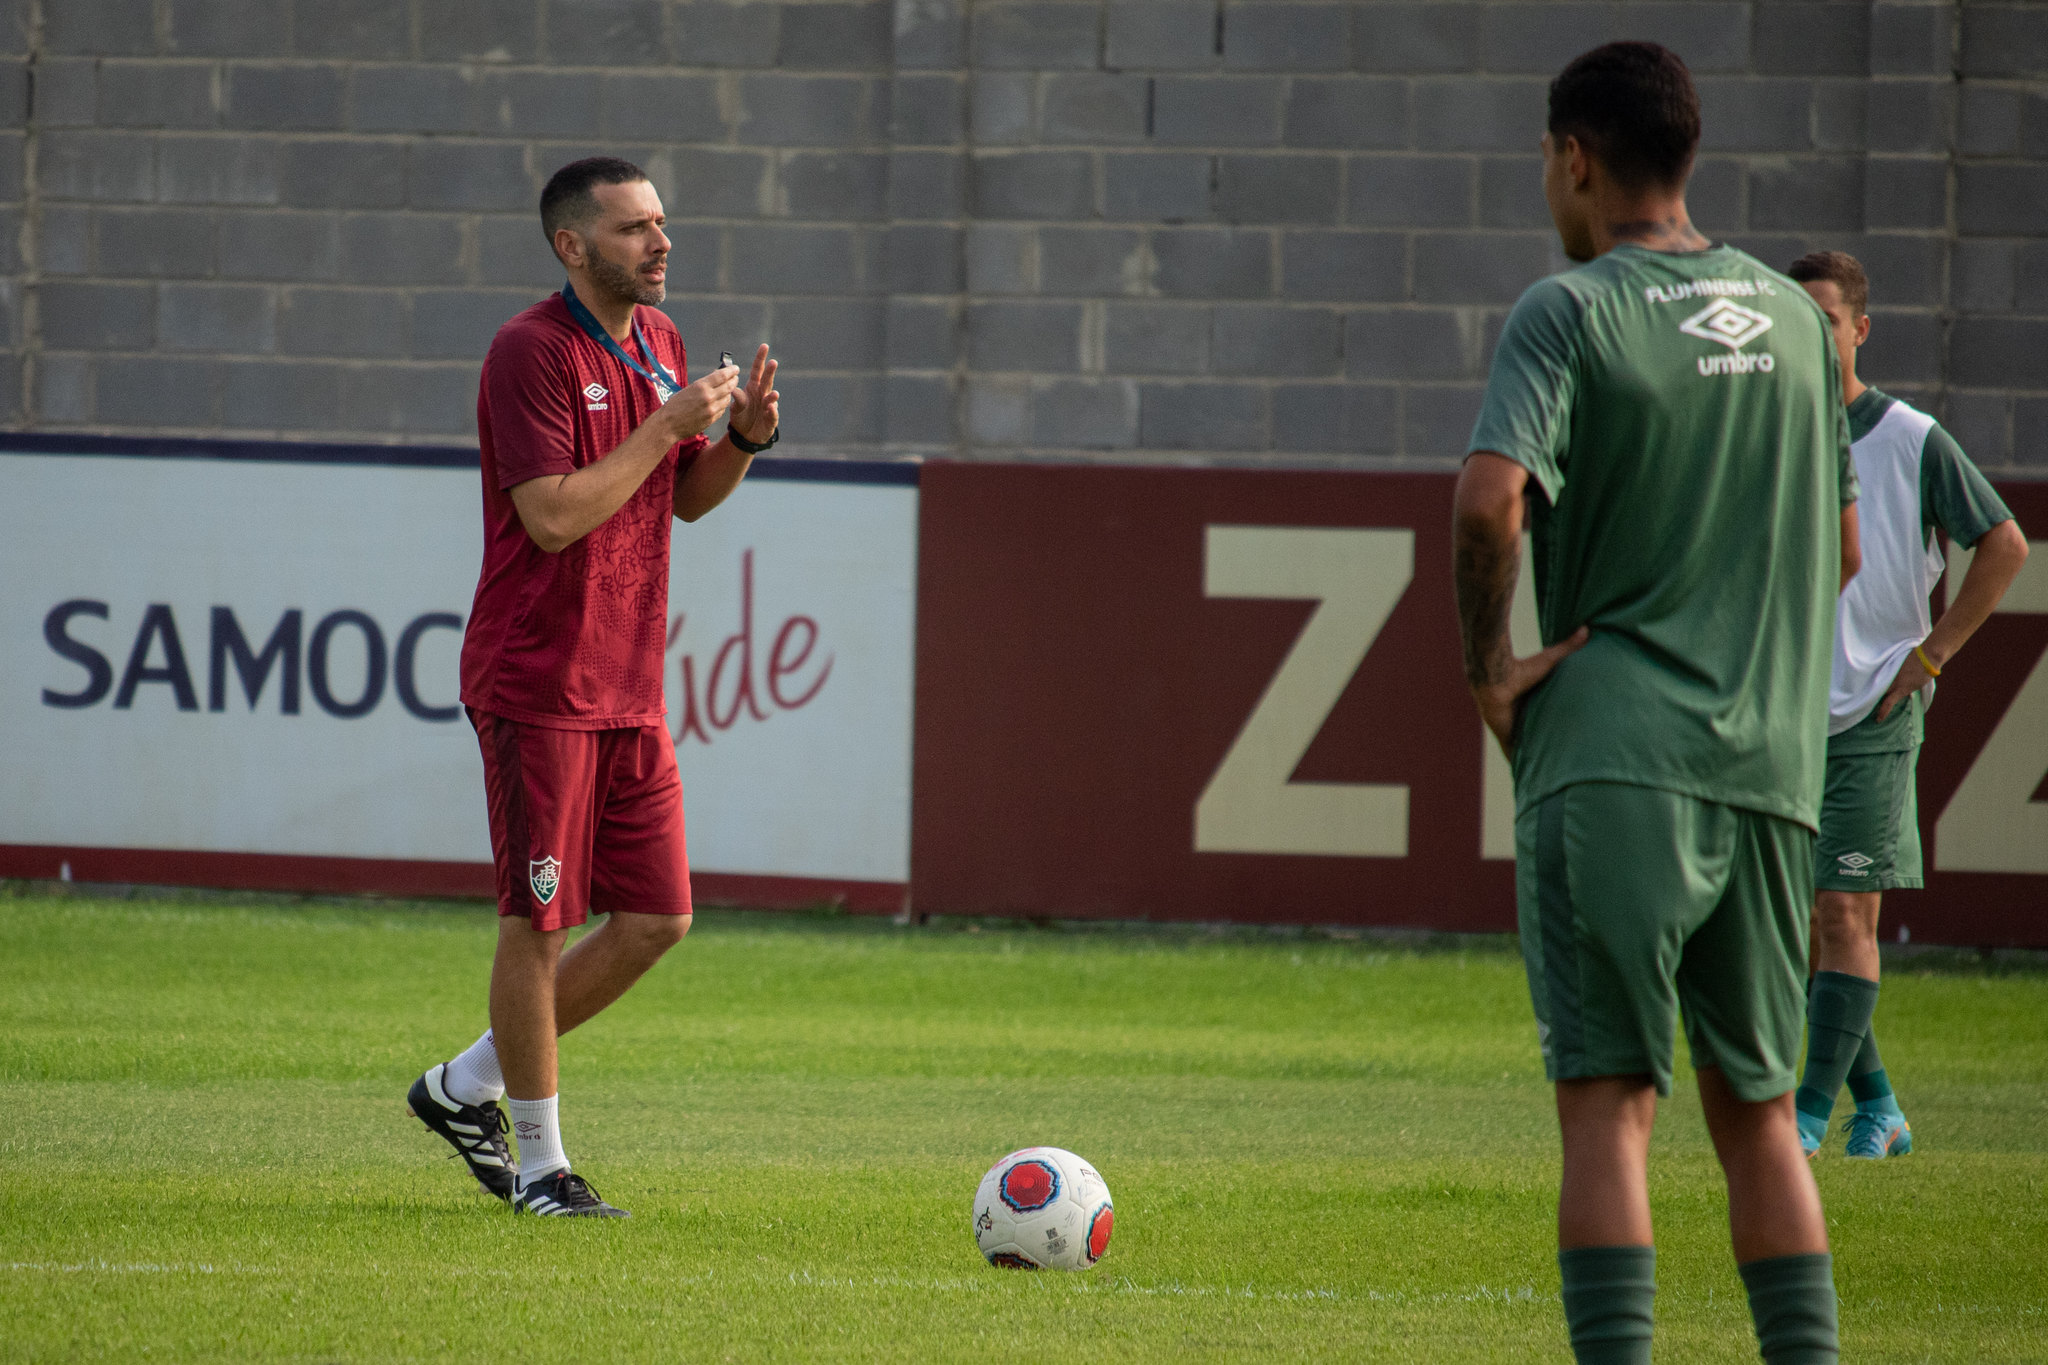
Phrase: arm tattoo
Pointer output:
(1486, 569)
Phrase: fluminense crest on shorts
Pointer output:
(1728, 323)
(546, 876)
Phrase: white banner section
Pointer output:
(792, 644)
(258, 656)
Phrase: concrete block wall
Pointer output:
(1249, 230)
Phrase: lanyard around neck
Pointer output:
(664, 382)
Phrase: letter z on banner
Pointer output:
(1194, 693)
(1355, 577)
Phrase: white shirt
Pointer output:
(1884, 612)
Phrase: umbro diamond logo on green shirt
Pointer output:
(1728, 323)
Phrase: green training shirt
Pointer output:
(1681, 416)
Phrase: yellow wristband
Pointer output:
(1926, 662)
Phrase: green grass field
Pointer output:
(1319, 1149)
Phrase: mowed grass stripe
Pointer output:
(1319, 1150)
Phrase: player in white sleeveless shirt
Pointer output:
(1888, 651)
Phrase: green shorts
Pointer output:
(1634, 901)
(1869, 823)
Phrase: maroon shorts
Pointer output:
(583, 821)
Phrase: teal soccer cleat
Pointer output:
(1874, 1136)
(1811, 1132)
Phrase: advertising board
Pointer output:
(236, 665)
(1138, 692)
(1178, 694)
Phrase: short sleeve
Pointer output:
(1526, 415)
(532, 410)
(1953, 494)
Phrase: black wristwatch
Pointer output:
(742, 443)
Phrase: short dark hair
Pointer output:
(568, 201)
(1841, 269)
(1633, 106)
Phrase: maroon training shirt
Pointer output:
(571, 640)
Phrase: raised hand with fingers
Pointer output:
(756, 405)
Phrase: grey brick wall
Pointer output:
(1250, 230)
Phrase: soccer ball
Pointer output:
(1042, 1208)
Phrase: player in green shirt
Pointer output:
(1915, 479)
(1672, 414)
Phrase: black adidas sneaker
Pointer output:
(475, 1131)
(564, 1194)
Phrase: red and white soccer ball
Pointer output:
(1043, 1208)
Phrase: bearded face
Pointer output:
(644, 282)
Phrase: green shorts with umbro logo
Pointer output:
(1870, 814)
(1636, 903)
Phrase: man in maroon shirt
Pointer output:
(591, 442)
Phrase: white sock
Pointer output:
(540, 1138)
(473, 1077)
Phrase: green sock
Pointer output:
(1792, 1299)
(1608, 1295)
(1838, 1010)
(1867, 1081)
